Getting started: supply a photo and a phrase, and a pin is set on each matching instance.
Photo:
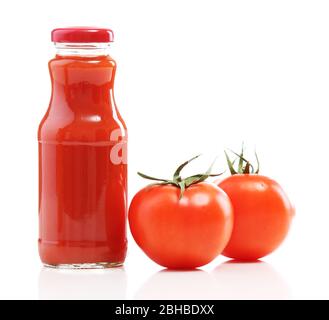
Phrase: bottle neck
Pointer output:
(82, 49)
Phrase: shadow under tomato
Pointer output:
(249, 280)
(174, 284)
(82, 284)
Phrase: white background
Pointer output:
(193, 76)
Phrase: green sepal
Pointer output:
(176, 176)
(150, 178)
(240, 166)
(182, 189)
(257, 170)
(244, 165)
(230, 164)
(178, 181)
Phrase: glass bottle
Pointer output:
(82, 156)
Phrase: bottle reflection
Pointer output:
(82, 284)
(256, 280)
(167, 284)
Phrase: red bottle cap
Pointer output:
(82, 35)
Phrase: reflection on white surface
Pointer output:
(167, 284)
(257, 280)
(230, 280)
(82, 284)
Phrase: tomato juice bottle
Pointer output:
(82, 156)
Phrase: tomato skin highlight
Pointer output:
(262, 216)
(181, 233)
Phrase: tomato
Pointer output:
(181, 233)
(262, 215)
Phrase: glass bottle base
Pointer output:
(96, 265)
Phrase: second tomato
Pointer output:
(262, 212)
